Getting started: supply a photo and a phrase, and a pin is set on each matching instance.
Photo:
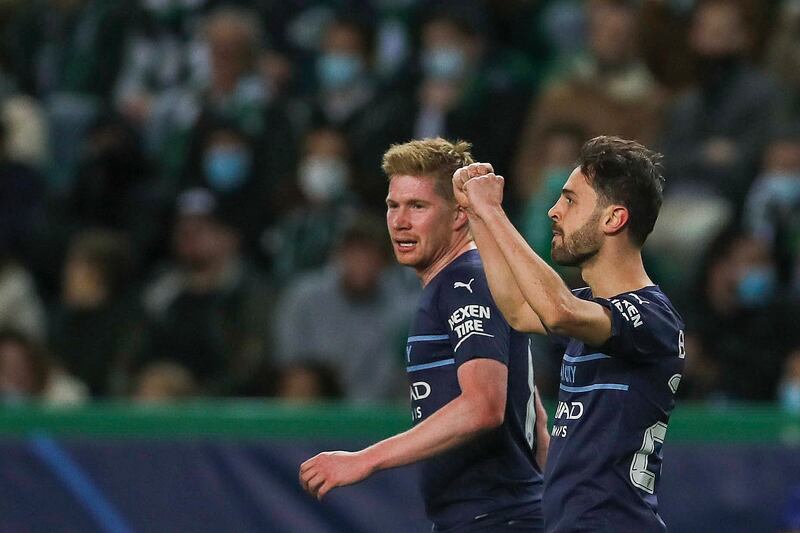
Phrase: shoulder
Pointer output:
(648, 305)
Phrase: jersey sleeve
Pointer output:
(641, 330)
(475, 325)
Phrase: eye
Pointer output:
(569, 200)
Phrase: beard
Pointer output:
(574, 250)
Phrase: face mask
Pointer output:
(756, 287)
(226, 168)
(789, 396)
(782, 189)
(337, 71)
(444, 63)
(322, 179)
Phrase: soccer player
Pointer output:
(621, 337)
(479, 428)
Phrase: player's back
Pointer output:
(494, 475)
(604, 462)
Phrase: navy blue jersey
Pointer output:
(494, 475)
(604, 462)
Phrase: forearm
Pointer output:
(540, 285)
(503, 285)
(450, 426)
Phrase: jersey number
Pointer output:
(640, 475)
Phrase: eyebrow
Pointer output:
(567, 191)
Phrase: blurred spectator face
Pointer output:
(561, 150)
(612, 32)
(362, 266)
(718, 30)
(21, 374)
(97, 268)
(343, 57)
(164, 382)
(783, 156)
(199, 239)
(447, 52)
(227, 161)
(744, 277)
(300, 385)
(421, 222)
(323, 173)
(307, 382)
(84, 284)
(233, 41)
(789, 388)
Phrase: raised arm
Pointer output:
(542, 288)
(505, 291)
(480, 407)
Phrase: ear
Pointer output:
(615, 219)
(460, 219)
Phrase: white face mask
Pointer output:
(323, 178)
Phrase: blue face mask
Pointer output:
(756, 287)
(444, 63)
(789, 396)
(226, 168)
(337, 71)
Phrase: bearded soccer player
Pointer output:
(621, 337)
(479, 430)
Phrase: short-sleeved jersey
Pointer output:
(604, 462)
(494, 475)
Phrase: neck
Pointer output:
(614, 271)
(460, 246)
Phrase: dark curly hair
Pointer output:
(626, 173)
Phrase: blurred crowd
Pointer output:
(191, 199)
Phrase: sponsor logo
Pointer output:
(420, 390)
(629, 311)
(569, 410)
(468, 321)
(461, 284)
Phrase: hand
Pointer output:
(328, 470)
(485, 193)
(463, 175)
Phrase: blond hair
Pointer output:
(433, 158)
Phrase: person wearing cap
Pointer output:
(208, 311)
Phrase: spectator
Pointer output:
(164, 382)
(743, 312)
(789, 385)
(238, 96)
(209, 310)
(96, 327)
(20, 306)
(67, 53)
(469, 90)
(27, 373)
(303, 238)
(22, 200)
(772, 207)
(714, 133)
(608, 91)
(350, 315)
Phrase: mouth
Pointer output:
(405, 245)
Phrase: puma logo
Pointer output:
(458, 284)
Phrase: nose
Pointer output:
(553, 213)
(398, 218)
